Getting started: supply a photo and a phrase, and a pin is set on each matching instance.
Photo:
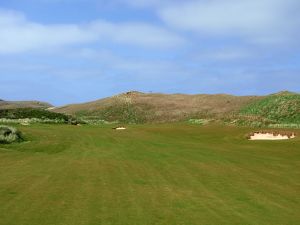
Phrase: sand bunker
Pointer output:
(271, 136)
(119, 128)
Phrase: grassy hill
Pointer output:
(137, 107)
(132, 107)
(23, 104)
(283, 107)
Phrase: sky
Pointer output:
(71, 51)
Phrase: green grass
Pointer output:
(171, 174)
(283, 108)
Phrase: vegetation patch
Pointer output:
(95, 120)
(9, 135)
(247, 120)
(199, 121)
(279, 108)
(287, 125)
(124, 113)
(30, 115)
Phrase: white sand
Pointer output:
(270, 136)
(120, 128)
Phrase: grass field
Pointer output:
(172, 174)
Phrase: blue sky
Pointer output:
(68, 51)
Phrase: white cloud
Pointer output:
(109, 62)
(227, 54)
(18, 34)
(140, 34)
(267, 21)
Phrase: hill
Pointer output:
(23, 104)
(282, 107)
(137, 107)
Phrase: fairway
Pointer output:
(170, 174)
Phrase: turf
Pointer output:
(173, 174)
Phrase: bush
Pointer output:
(29, 113)
(9, 135)
(31, 120)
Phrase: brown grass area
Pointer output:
(167, 107)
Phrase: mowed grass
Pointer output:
(173, 174)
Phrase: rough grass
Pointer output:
(283, 108)
(124, 113)
(175, 174)
(9, 135)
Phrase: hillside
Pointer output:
(23, 104)
(283, 107)
(135, 107)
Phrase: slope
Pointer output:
(283, 107)
(141, 107)
(23, 104)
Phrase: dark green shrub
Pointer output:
(38, 116)
(29, 113)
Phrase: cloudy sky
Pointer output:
(66, 51)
